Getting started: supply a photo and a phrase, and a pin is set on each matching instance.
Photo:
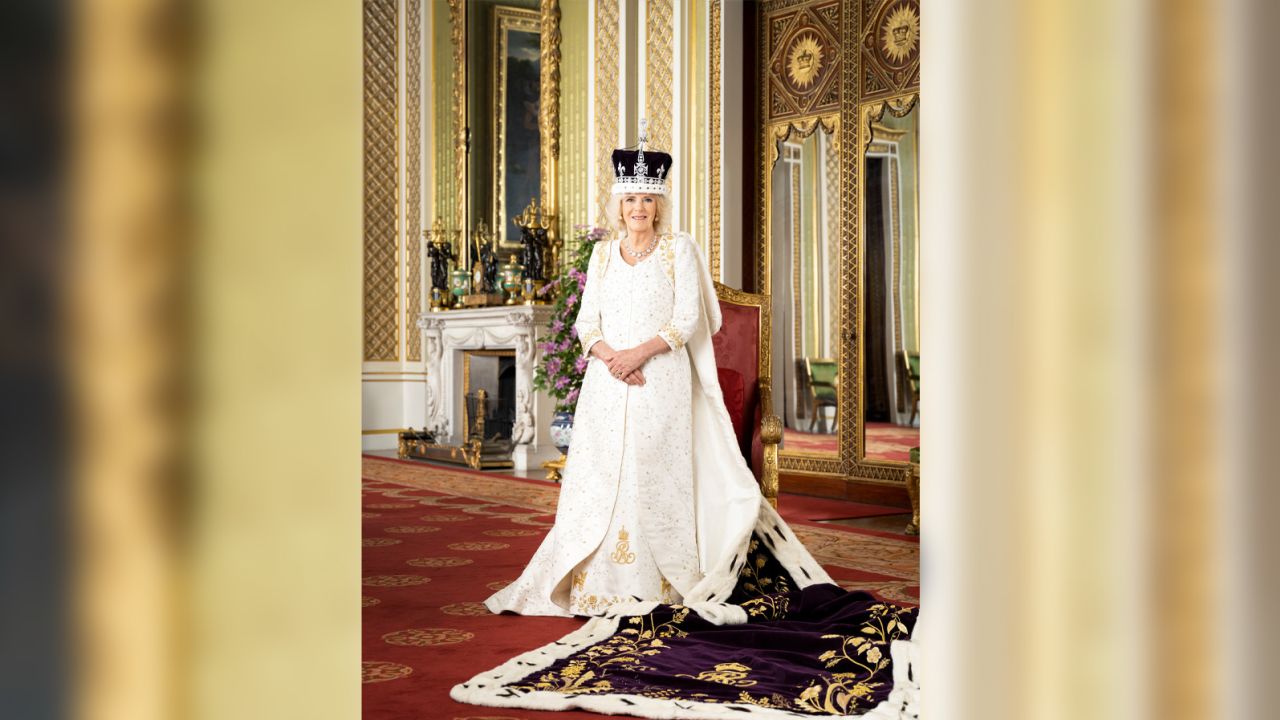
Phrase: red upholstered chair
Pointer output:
(742, 358)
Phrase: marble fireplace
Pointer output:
(451, 338)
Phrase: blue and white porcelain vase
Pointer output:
(562, 430)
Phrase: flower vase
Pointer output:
(562, 430)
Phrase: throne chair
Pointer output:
(742, 349)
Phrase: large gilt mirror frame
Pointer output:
(794, 130)
(841, 57)
(861, 468)
(548, 110)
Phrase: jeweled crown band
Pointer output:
(639, 186)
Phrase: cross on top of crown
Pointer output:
(641, 167)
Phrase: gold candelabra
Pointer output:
(534, 218)
(442, 249)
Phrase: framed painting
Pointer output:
(517, 144)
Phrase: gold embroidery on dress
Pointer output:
(666, 591)
(734, 674)
(672, 335)
(595, 604)
(622, 551)
(579, 580)
(667, 252)
(591, 336)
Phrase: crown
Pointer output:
(636, 172)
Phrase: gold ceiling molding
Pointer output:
(606, 105)
(413, 179)
(381, 147)
(713, 170)
(658, 72)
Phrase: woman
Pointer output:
(657, 503)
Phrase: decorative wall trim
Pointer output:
(413, 179)
(606, 100)
(549, 116)
(381, 148)
(714, 137)
(658, 77)
(458, 35)
(575, 152)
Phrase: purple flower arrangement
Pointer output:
(561, 368)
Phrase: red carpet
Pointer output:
(437, 541)
(884, 441)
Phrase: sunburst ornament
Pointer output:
(804, 61)
(901, 34)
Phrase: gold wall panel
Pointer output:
(381, 147)
(606, 105)
(802, 59)
(659, 60)
(444, 184)
(574, 151)
(890, 47)
(413, 178)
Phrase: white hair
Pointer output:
(661, 216)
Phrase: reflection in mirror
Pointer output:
(804, 216)
(891, 290)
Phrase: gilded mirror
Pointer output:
(492, 152)
(889, 288)
(803, 225)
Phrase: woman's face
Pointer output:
(638, 211)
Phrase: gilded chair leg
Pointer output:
(770, 436)
(913, 491)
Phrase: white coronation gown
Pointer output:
(644, 515)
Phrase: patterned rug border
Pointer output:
(895, 559)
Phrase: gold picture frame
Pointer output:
(506, 21)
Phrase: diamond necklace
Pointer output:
(643, 253)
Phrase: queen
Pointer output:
(657, 502)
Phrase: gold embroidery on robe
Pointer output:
(734, 674)
(622, 551)
(579, 580)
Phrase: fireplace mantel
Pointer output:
(448, 333)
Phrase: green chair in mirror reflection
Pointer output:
(909, 373)
(823, 381)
